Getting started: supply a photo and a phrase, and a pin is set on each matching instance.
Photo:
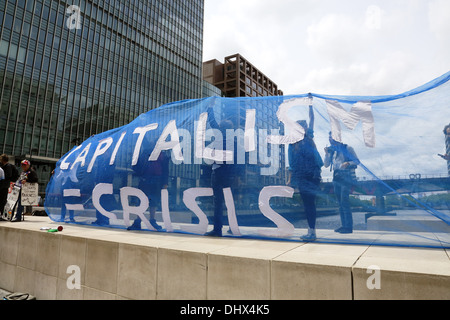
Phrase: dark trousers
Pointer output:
(342, 192)
(3, 198)
(308, 188)
(309, 203)
(220, 179)
(19, 208)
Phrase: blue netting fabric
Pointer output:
(311, 167)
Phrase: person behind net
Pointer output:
(446, 156)
(223, 175)
(153, 178)
(305, 173)
(342, 159)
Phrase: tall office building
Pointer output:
(71, 69)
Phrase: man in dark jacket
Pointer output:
(223, 174)
(28, 175)
(5, 183)
(343, 161)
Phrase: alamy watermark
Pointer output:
(74, 280)
(74, 20)
(374, 280)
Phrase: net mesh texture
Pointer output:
(311, 167)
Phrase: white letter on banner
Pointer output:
(200, 135)
(207, 153)
(82, 156)
(102, 146)
(99, 190)
(116, 148)
(137, 148)
(127, 192)
(73, 193)
(232, 220)
(64, 165)
(274, 159)
(249, 135)
(189, 197)
(186, 147)
(216, 153)
(361, 111)
(285, 228)
(237, 135)
(174, 143)
(165, 210)
(296, 131)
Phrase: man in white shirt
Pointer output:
(343, 161)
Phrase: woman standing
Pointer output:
(305, 173)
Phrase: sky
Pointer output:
(347, 47)
(334, 47)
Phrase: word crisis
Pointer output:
(129, 194)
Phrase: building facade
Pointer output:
(237, 77)
(72, 69)
(210, 91)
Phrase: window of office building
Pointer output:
(60, 86)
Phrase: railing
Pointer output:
(412, 176)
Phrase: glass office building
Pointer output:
(71, 69)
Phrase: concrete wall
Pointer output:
(119, 264)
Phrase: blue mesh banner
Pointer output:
(311, 167)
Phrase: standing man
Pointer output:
(446, 156)
(5, 182)
(342, 159)
(223, 174)
(28, 175)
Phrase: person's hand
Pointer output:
(288, 182)
(328, 149)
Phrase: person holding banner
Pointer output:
(5, 182)
(304, 173)
(224, 174)
(342, 159)
(154, 176)
(28, 175)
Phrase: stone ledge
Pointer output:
(120, 264)
(407, 223)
